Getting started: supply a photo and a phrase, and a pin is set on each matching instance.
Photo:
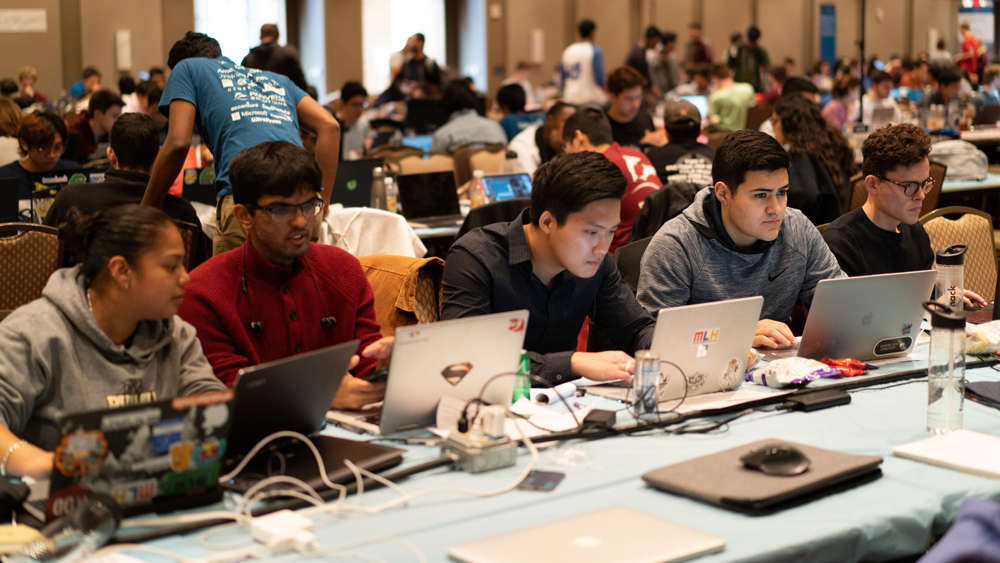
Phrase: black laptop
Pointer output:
(199, 185)
(429, 199)
(294, 393)
(353, 186)
(8, 201)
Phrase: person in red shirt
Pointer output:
(279, 294)
(589, 130)
(969, 57)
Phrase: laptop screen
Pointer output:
(353, 186)
(700, 102)
(507, 186)
(430, 194)
(422, 142)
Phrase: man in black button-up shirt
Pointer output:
(553, 260)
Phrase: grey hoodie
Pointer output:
(691, 259)
(55, 359)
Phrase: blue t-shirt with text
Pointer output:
(237, 107)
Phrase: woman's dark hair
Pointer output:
(276, 168)
(126, 230)
(806, 131)
(567, 183)
(193, 45)
(126, 85)
(457, 96)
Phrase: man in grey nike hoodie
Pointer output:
(739, 239)
(55, 359)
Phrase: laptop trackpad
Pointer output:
(296, 459)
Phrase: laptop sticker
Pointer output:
(454, 373)
(705, 336)
(733, 374)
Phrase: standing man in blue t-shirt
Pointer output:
(233, 108)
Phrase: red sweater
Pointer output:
(285, 300)
(640, 181)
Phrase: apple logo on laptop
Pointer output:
(587, 542)
(352, 185)
(866, 320)
(454, 373)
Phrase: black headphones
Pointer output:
(256, 326)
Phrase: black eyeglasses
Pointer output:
(910, 188)
(285, 212)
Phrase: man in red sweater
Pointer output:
(278, 294)
(590, 130)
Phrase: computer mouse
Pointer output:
(777, 459)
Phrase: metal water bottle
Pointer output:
(945, 368)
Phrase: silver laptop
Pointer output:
(866, 317)
(456, 357)
(616, 533)
(709, 341)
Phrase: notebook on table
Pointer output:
(961, 450)
(457, 357)
(161, 456)
(294, 393)
(721, 478)
(429, 199)
(616, 533)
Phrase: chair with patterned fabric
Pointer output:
(407, 290)
(973, 228)
(27, 259)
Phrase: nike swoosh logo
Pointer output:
(772, 277)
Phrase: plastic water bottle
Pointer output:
(477, 192)
(945, 369)
(391, 195)
(949, 288)
(522, 385)
(378, 188)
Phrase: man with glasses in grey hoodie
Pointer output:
(739, 239)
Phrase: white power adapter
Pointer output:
(285, 531)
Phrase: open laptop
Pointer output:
(294, 393)
(500, 187)
(353, 186)
(709, 341)
(700, 102)
(160, 456)
(456, 357)
(422, 142)
(616, 533)
(47, 187)
(429, 199)
(866, 317)
(199, 185)
(8, 201)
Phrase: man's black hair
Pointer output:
(275, 168)
(753, 34)
(8, 87)
(653, 32)
(798, 85)
(90, 71)
(126, 84)
(420, 37)
(512, 98)
(103, 100)
(558, 107)
(745, 151)
(668, 37)
(947, 76)
(568, 183)
(151, 91)
(351, 89)
(879, 76)
(593, 123)
(135, 140)
(156, 70)
(193, 45)
(586, 28)
(457, 96)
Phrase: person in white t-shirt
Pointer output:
(583, 69)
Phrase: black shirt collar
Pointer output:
(518, 250)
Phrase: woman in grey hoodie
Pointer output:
(103, 334)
